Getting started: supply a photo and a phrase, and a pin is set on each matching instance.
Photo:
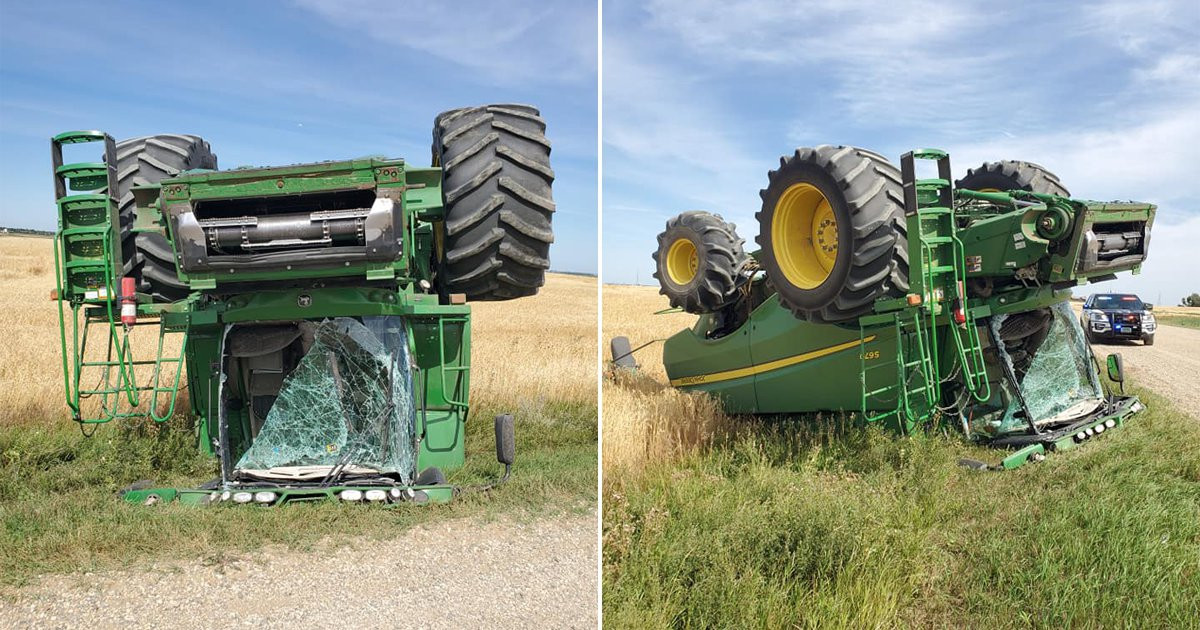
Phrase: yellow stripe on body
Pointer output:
(701, 379)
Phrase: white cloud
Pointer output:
(1107, 96)
(513, 41)
(1152, 159)
(664, 140)
(902, 61)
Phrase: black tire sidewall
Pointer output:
(805, 173)
(991, 179)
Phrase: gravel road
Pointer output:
(1171, 367)
(457, 574)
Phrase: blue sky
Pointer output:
(272, 83)
(702, 97)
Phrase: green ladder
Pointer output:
(937, 265)
(911, 389)
(88, 267)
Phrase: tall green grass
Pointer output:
(787, 525)
(60, 512)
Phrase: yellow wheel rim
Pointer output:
(804, 236)
(682, 261)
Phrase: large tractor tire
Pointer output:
(496, 188)
(833, 232)
(1012, 175)
(148, 256)
(1022, 335)
(699, 262)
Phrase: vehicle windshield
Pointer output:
(1116, 302)
(1057, 377)
(347, 408)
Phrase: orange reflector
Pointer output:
(914, 299)
(458, 298)
(53, 295)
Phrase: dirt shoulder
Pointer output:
(465, 573)
(1171, 367)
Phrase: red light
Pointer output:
(960, 317)
(128, 301)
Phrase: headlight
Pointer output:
(1096, 316)
(1148, 317)
(265, 497)
(376, 495)
(351, 495)
(242, 497)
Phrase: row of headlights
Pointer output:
(264, 496)
(373, 496)
(1096, 430)
(267, 497)
(1101, 316)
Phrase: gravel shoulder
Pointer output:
(1171, 367)
(455, 574)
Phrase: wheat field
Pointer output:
(525, 352)
(645, 419)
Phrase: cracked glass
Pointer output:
(1060, 375)
(348, 404)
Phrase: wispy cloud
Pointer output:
(281, 83)
(1107, 95)
(1153, 159)
(527, 41)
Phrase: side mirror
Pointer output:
(506, 441)
(622, 353)
(1149, 306)
(1116, 370)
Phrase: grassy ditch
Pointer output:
(1185, 321)
(782, 524)
(60, 513)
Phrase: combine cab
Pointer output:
(908, 302)
(317, 313)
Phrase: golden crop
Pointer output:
(527, 351)
(646, 420)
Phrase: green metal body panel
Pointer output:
(416, 190)
(772, 363)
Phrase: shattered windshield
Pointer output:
(1053, 367)
(347, 405)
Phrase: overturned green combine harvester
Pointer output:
(904, 301)
(321, 308)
